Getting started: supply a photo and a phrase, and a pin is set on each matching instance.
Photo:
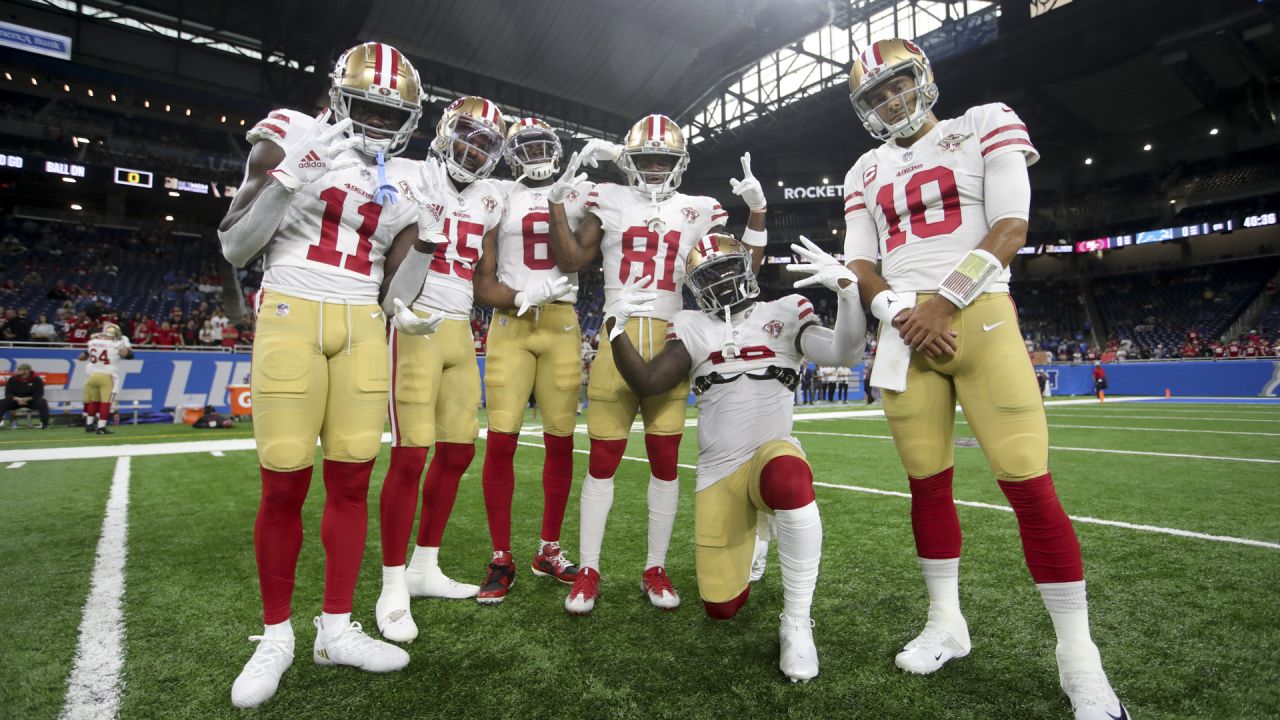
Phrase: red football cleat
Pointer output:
(657, 586)
(551, 562)
(582, 598)
(498, 580)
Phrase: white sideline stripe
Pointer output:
(1160, 430)
(1162, 417)
(93, 688)
(15, 466)
(1072, 449)
(1075, 518)
(1004, 508)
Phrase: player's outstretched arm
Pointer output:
(256, 210)
(752, 193)
(666, 370)
(843, 345)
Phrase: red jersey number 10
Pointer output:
(655, 248)
(919, 226)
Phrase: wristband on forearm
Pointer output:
(755, 238)
(885, 306)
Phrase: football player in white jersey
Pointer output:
(325, 203)
(641, 230)
(943, 205)
(435, 384)
(104, 352)
(533, 347)
(744, 360)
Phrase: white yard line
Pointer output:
(1052, 414)
(16, 465)
(93, 688)
(1120, 427)
(1076, 518)
(1074, 449)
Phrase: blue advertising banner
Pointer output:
(1208, 378)
(20, 37)
(174, 378)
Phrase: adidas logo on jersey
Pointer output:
(312, 160)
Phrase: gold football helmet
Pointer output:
(654, 156)
(881, 63)
(470, 138)
(385, 82)
(718, 273)
(533, 150)
(112, 331)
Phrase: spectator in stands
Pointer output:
(230, 336)
(843, 375)
(1099, 380)
(1234, 350)
(219, 322)
(25, 391)
(206, 334)
(143, 335)
(43, 330)
(191, 333)
(59, 291)
(80, 330)
(165, 337)
(19, 324)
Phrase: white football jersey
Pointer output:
(927, 201)
(644, 240)
(736, 418)
(333, 238)
(468, 216)
(524, 245)
(104, 353)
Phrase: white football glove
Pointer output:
(549, 291)
(567, 183)
(631, 300)
(408, 322)
(596, 150)
(311, 154)
(748, 188)
(823, 269)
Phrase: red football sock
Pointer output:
(344, 528)
(90, 411)
(557, 479)
(399, 501)
(499, 484)
(277, 538)
(933, 517)
(605, 456)
(726, 610)
(786, 483)
(104, 411)
(1048, 540)
(441, 489)
(664, 453)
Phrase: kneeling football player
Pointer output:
(743, 358)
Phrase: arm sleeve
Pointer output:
(861, 241)
(406, 284)
(1006, 188)
(843, 344)
(244, 240)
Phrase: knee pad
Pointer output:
(786, 483)
(286, 454)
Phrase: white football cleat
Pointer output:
(435, 584)
(1092, 697)
(582, 596)
(260, 677)
(760, 560)
(350, 646)
(657, 586)
(392, 613)
(798, 659)
(932, 649)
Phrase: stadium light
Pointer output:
(242, 122)
(174, 193)
(168, 218)
(76, 206)
(188, 112)
(113, 97)
(224, 119)
(1088, 161)
(833, 231)
(779, 183)
(8, 76)
(1171, 202)
(90, 91)
(146, 103)
(66, 87)
(166, 107)
(68, 179)
(1214, 131)
(33, 80)
(1146, 148)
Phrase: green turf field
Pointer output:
(1185, 613)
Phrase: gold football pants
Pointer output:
(319, 369)
(539, 353)
(435, 392)
(613, 404)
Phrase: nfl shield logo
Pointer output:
(282, 309)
